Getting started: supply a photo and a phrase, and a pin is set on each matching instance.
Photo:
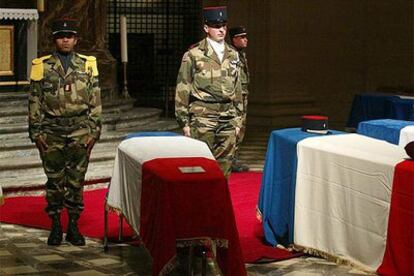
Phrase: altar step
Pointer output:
(119, 114)
(23, 169)
(20, 164)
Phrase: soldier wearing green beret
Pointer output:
(64, 122)
(238, 39)
(208, 99)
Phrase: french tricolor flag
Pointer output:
(354, 200)
(345, 197)
(172, 193)
(132, 154)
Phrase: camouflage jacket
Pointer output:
(244, 73)
(56, 96)
(205, 81)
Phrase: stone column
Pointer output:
(91, 15)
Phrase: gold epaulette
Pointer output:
(36, 73)
(90, 63)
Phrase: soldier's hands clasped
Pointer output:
(186, 131)
(237, 131)
(41, 144)
(89, 145)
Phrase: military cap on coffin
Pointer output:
(315, 124)
(64, 25)
(215, 15)
(409, 148)
(237, 31)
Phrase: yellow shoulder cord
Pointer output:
(90, 64)
(36, 73)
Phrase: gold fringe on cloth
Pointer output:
(203, 241)
(207, 242)
(211, 245)
(113, 209)
(119, 213)
(170, 266)
(331, 258)
(174, 263)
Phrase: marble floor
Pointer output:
(23, 251)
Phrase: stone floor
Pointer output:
(23, 251)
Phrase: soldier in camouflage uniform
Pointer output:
(238, 37)
(64, 122)
(208, 100)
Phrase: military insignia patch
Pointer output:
(234, 64)
(68, 87)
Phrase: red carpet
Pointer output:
(244, 189)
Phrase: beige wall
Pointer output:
(314, 55)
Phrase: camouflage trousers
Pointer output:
(220, 136)
(65, 163)
(242, 129)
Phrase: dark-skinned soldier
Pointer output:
(64, 122)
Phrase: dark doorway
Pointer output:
(159, 32)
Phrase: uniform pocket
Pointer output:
(81, 85)
(50, 95)
(49, 88)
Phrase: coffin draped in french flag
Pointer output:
(172, 193)
(397, 132)
(350, 199)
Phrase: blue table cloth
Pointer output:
(377, 106)
(150, 133)
(387, 129)
(277, 194)
(402, 108)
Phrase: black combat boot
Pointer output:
(55, 235)
(236, 166)
(73, 235)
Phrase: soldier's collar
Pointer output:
(77, 58)
(54, 58)
(66, 56)
(204, 45)
(207, 48)
(235, 48)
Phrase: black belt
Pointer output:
(64, 121)
(194, 99)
